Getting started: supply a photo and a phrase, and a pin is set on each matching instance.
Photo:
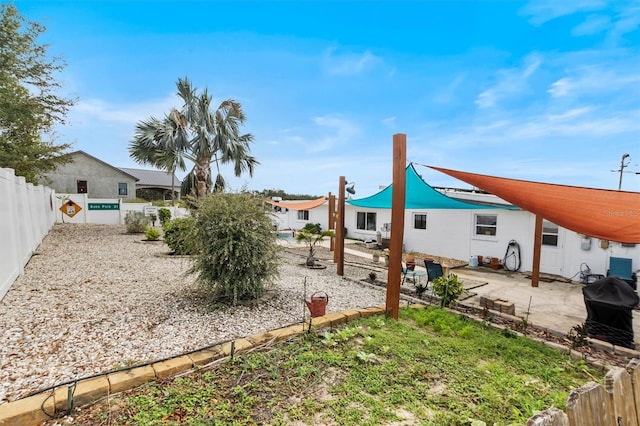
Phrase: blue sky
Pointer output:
(541, 90)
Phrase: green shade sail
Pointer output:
(419, 196)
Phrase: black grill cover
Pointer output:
(610, 302)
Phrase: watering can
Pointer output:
(318, 303)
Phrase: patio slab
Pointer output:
(555, 305)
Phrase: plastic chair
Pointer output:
(434, 270)
(622, 268)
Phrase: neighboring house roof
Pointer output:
(76, 153)
(601, 213)
(152, 178)
(299, 205)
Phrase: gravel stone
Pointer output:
(94, 298)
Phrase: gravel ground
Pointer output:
(94, 298)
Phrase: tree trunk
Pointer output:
(202, 174)
(173, 187)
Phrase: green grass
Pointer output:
(431, 367)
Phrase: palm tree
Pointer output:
(160, 143)
(200, 135)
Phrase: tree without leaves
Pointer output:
(29, 106)
(198, 134)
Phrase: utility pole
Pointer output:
(622, 166)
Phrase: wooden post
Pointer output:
(332, 221)
(397, 223)
(537, 245)
(339, 248)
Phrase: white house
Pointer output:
(485, 229)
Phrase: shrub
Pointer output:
(448, 289)
(578, 336)
(178, 234)
(152, 234)
(311, 239)
(136, 222)
(237, 252)
(313, 228)
(164, 215)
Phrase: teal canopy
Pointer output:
(419, 196)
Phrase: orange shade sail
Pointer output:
(303, 205)
(601, 213)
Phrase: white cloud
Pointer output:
(570, 114)
(595, 80)
(349, 63)
(510, 82)
(341, 131)
(389, 122)
(91, 110)
(592, 25)
(560, 88)
(628, 20)
(541, 11)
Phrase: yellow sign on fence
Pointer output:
(70, 208)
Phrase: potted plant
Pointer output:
(410, 258)
(376, 256)
(386, 257)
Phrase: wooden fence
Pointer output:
(617, 403)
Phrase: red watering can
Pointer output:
(318, 303)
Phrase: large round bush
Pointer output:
(237, 253)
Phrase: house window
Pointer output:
(303, 214)
(82, 187)
(122, 188)
(420, 221)
(366, 221)
(549, 234)
(486, 225)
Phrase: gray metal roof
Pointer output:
(154, 178)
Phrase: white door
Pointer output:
(551, 253)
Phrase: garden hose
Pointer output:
(513, 256)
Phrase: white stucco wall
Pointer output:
(450, 233)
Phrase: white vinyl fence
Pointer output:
(26, 216)
(28, 212)
(78, 208)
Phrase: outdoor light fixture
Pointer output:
(350, 188)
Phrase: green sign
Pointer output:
(104, 206)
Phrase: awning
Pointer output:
(302, 205)
(601, 213)
(419, 195)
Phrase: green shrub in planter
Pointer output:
(448, 289)
(164, 215)
(178, 234)
(152, 234)
(136, 222)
